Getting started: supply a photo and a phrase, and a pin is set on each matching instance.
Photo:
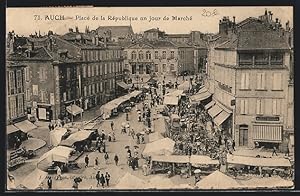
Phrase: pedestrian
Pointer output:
(98, 178)
(287, 151)
(96, 166)
(102, 180)
(127, 116)
(86, 160)
(102, 135)
(107, 178)
(116, 159)
(109, 137)
(132, 133)
(274, 151)
(106, 157)
(49, 126)
(49, 182)
(113, 137)
(58, 172)
(233, 145)
(112, 125)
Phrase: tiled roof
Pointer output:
(251, 40)
(116, 31)
(162, 44)
(36, 54)
(261, 40)
(152, 30)
(178, 35)
(72, 36)
(181, 44)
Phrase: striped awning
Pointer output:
(214, 111)
(218, 120)
(209, 105)
(267, 133)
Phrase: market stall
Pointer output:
(76, 137)
(160, 147)
(58, 154)
(152, 137)
(269, 183)
(160, 182)
(129, 181)
(34, 179)
(56, 135)
(170, 163)
(218, 180)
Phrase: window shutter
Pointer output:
(278, 106)
(263, 81)
(258, 106)
(242, 106)
(258, 81)
(243, 81)
(246, 106)
(247, 81)
(274, 110)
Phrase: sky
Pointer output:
(205, 19)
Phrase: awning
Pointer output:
(90, 126)
(170, 100)
(160, 147)
(260, 162)
(209, 105)
(74, 110)
(200, 97)
(176, 93)
(155, 136)
(11, 129)
(171, 159)
(214, 111)
(218, 120)
(197, 160)
(123, 85)
(58, 154)
(25, 126)
(267, 133)
(135, 93)
(218, 180)
(56, 135)
(75, 137)
(185, 86)
(202, 90)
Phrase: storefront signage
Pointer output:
(267, 118)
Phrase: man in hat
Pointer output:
(116, 159)
(49, 182)
(86, 160)
(98, 178)
(107, 178)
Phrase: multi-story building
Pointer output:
(88, 72)
(116, 33)
(160, 56)
(246, 52)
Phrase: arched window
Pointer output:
(141, 55)
(148, 55)
(133, 55)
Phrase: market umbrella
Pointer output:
(123, 124)
(142, 133)
(197, 171)
(126, 147)
(136, 147)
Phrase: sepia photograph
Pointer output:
(149, 98)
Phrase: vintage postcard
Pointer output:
(159, 98)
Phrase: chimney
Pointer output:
(276, 20)
(70, 30)
(233, 19)
(266, 12)
(96, 40)
(271, 14)
(31, 46)
(76, 29)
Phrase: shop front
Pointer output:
(44, 112)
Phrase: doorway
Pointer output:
(243, 135)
